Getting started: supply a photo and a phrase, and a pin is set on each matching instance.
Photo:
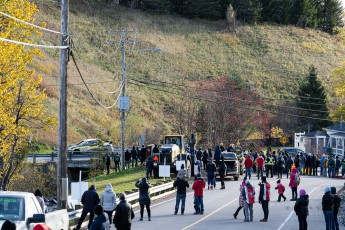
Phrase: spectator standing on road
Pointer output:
(107, 163)
(280, 166)
(211, 170)
(222, 173)
(260, 162)
(327, 207)
(325, 166)
(89, 200)
(331, 166)
(269, 165)
(144, 197)
(154, 150)
(301, 209)
(288, 166)
(337, 166)
(321, 163)
(198, 187)
(296, 161)
(108, 201)
(101, 222)
(281, 189)
(217, 154)
(39, 197)
(134, 156)
(248, 194)
(336, 206)
(294, 182)
(124, 214)
(181, 184)
(199, 154)
(182, 172)
(128, 158)
(240, 198)
(149, 167)
(143, 154)
(343, 167)
(117, 161)
(204, 159)
(248, 164)
(264, 197)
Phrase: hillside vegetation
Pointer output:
(271, 60)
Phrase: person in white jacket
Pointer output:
(108, 201)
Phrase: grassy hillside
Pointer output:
(271, 59)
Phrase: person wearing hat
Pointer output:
(108, 201)
(327, 207)
(144, 197)
(240, 199)
(264, 197)
(301, 209)
(336, 206)
(89, 199)
(222, 173)
(248, 194)
(124, 214)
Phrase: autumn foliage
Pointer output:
(22, 109)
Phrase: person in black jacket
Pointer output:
(222, 173)
(128, 158)
(107, 163)
(144, 197)
(327, 207)
(142, 154)
(211, 169)
(301, 209)
(134, 155)
(89, 200)
(336, 205)
(124, 214)
(181, 184)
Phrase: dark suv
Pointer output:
(292, 151)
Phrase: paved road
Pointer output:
(221, 204)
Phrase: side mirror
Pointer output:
(36, 218)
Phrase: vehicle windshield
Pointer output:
(11, 208)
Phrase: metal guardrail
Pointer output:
(131, 198)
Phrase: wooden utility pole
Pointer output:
(62, 181)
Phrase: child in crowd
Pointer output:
(281, 190)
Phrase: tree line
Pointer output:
(325, 15)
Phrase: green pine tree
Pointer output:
(330, 13)
(312, 103)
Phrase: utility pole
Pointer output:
(62, 181)
(123, 100)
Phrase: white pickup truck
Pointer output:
(23, 209)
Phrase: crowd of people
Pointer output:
(262, 165)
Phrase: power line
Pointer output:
(93, 97)
(258, 110)
(205, 89)
(30, 24)
(33, 45)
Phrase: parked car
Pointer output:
(292, 151)
(23, 209)
(88, 145)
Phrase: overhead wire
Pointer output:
(92, 77)
(88, 89)
(30, 24)
(33, 45)
(258, 110)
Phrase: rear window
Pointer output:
(12, 208)
(229, 156)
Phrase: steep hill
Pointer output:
(270, 59)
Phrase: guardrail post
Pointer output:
(52, 156)
(34, 158)
(70, 156)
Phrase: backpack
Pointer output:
(331, 162)
(297, 179)
(117, 158)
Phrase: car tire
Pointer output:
(236, 178)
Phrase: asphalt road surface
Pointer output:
(221, 204)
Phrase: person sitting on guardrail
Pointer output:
(144, 197)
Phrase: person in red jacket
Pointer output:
(198, 187)
(248, 164)
(294, 182)
(281, 190)
(260, 161)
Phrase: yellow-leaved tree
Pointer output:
(338, 77)
(22, 109)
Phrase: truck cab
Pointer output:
(232, 163)
(23, 209)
